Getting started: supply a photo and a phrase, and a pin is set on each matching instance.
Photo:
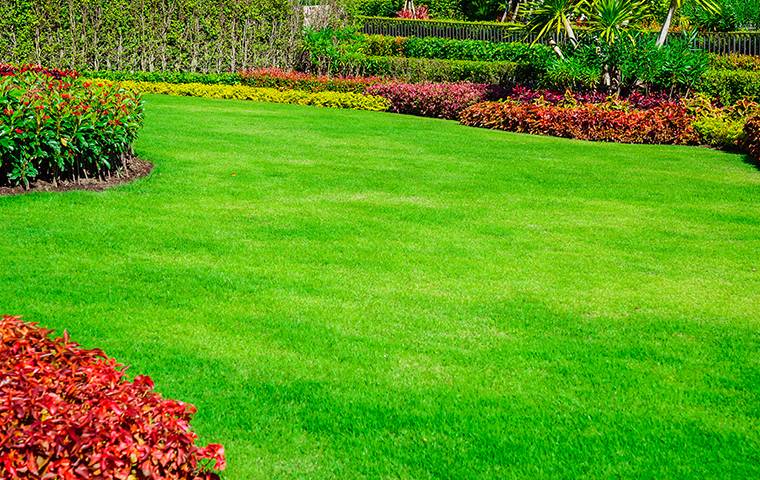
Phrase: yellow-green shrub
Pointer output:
(354, 101)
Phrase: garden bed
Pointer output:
(134, 168)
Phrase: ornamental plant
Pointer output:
(608, 122)
(68, 413)
(752, 137)
(441, 100)
(291, 80)
(55, 126)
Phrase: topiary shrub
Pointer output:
(70, 413)
(55, 126)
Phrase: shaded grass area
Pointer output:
(362, 295)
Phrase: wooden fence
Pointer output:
(747, 43)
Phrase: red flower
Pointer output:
(19, 131)
(8, 112)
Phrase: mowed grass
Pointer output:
(363, 295)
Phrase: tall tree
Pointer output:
(709, 5)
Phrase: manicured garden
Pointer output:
(379, 247)
(350, 294)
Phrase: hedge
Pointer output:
(55, 126)
(538, 56)
(731, 85)
(429, 70)
(352, 101)
(148, 35)
(71, 413)
(166, 77)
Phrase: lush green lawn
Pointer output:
(362, 295)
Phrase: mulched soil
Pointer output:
(134, 169)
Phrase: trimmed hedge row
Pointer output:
(666, 124)
(166, 77)
(448, 49)
(352, 101)
(430, 70)
(731, 85)
(71, 413)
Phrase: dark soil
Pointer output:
(134, 169)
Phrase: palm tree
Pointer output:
(548, 15)
(709, 5)
(612, 19)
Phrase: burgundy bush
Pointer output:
(666, 124)
(67, 413)
(442, 100)
(291, 80)
(554, 97)
(752, 137)
(8, 70)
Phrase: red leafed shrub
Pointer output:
(442, 100)
(752, 137)
(420, 12)
(67, 413)
(667, 124)
(635, 100)
(290, 80)
(10, 70)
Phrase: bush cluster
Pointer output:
(70, 413)
(291, 80)
(54, 126)
(451, 49)
(167, 77)
(430, 70)
(752, 137)
(735, 61)
(354, 101)
(608, 122)
(718, 126)
(730, 86)
(440, 100)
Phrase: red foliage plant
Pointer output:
(420, 12)
(666, 124)
(67, 413)
(752, 137)
(442, 100)
(13, 70)
(291, 80)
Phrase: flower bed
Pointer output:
(287, 80)
(55, 126)
(666, 124)
(441, 100)
(354, 101)
(69, 413)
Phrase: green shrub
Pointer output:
(352, 101)
(538, 56)
(730, 85)
(735, 61)
(167, 77)
(332, 49)
(378, 8)
(429, 70)
(573, 74)
(718, 126)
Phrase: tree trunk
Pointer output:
(570, 32)
(666, 24)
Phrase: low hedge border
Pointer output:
(353, 101)
(431, 70)
(731, 85)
